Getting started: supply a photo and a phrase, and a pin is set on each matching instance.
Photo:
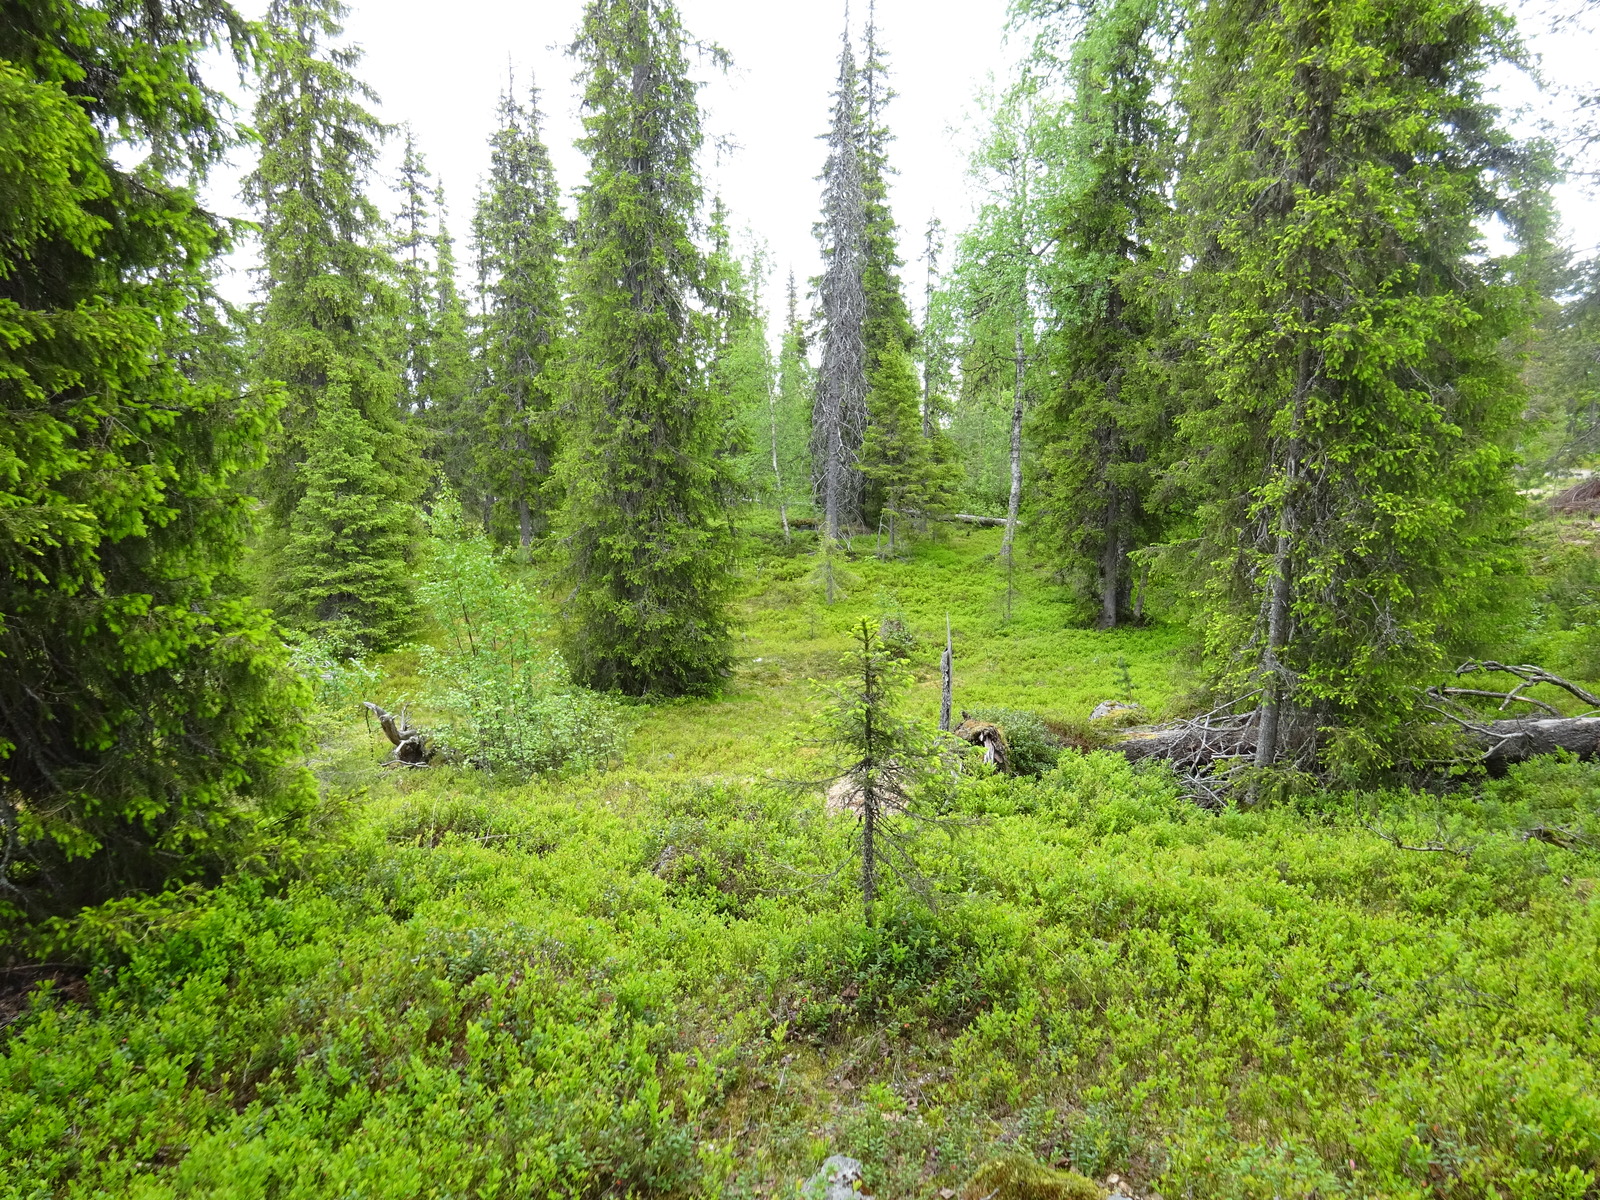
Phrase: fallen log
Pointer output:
(954, 518)
(1496, 744)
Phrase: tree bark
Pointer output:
(777, 474)
(1111, 567)
(1015, 507)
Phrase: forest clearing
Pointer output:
(1095, 694)
(654, 979)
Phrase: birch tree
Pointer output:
(1000, 260)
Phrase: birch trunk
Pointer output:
(1014, 509)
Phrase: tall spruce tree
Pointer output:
(447, 389)
(1353, 406)
(647, 518)
(936, 337)
(902, 476)
(839, 418)
(1105, 416)
(415, 255)
(789, 429)
(508, 435)
(887, 325)
(144, 710)
(331, 319)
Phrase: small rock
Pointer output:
(839, 1178)
(1114, 708)
(947, 1194)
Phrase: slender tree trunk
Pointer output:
(947, 674)
(1111, 566)
(869, 799)
(777, 474)
(1014, 509)
(525, 522)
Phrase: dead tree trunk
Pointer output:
(411, 748)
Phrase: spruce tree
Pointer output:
(911, 477)
(1353, 408)
(509, 435)
(647, 519)
(145, 715)
(741, 359)
(415, 253)
(1104, 418)
(936, 338)
(448, 385)
(332, 316)
(344, 561)
(917, 475)
(789, 428)
(839, 417)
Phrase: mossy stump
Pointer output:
(1017, 1178)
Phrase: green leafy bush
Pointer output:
(504, 699)
(1034, 748)
(338, 675)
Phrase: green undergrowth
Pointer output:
(1020, 644)
(656, 981)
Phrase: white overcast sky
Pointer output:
(441, 68)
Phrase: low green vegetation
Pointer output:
(657, 981)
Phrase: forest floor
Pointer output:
(656, 981)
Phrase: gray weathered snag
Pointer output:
(411, 747)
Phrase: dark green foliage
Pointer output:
(647, 520)
(887, 326)
(144, 709)
(914, 474)
(1104, 418)
(917, 965)
(1018, 1177)
(343, 564)
(505, 439)
(333, 321)
(1352, 408)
